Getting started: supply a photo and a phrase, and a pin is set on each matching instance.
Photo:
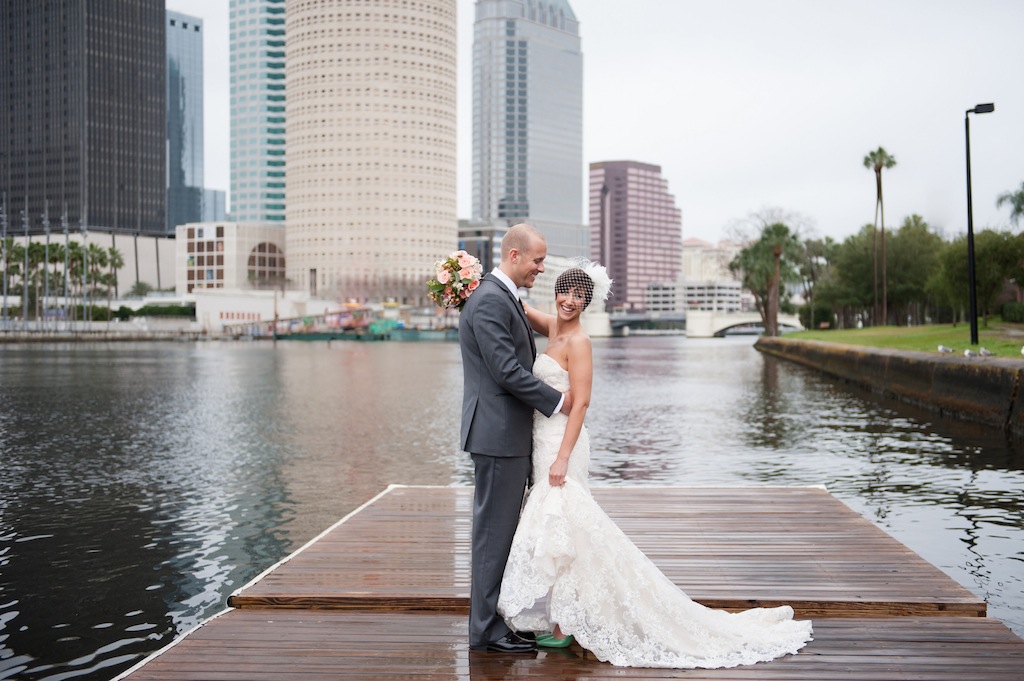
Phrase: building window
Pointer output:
(266, 266)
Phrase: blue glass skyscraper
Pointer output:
(257, 111)
(184, 119)
(528, 120)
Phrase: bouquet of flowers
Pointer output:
(456, 277)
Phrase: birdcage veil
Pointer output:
(587, 276)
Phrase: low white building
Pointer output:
(234, 256)
(705, 279)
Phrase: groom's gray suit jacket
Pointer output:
(500, 392)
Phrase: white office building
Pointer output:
(371, 146)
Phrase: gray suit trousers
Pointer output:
(500, 487)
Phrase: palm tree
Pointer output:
(97, 258)
(1016, 201)
(115, 261)
(15, 255)
(876, 160)
(784, 245)
(76, 264)
(36, 262)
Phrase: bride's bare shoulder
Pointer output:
(579, 343)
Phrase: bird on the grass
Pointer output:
(970, 353)
(943, 348)
(985, 353)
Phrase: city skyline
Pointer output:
(747, 105)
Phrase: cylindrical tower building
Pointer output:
(371, 195)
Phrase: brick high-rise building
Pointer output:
(83, 89)
(635, 231)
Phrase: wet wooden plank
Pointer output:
(731, 548)
(252, 644)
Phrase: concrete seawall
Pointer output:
(983, 390)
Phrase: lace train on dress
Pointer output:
(571, 565)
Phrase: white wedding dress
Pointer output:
(571, 565)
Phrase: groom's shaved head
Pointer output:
(523, 250)
(519, 237)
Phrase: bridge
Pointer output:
(704, 324)
(619, 319)
(698, 323)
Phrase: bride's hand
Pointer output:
(556, 474)
(566, 403)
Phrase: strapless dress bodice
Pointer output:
(547, 369)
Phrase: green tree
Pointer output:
(816, 262)
(13, 267)
(36, 272)
(994, 264)
(764, 266)
(55, 264)
(914, 252)
(76, 269)
(115, 261)
(98, 259)
(140, 289)
(996, 258)
(1016, 201)
(877, 160)
(816, 270)
(1017, 270)
(948, 283)
(849, 290)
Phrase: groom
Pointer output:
(500, 394)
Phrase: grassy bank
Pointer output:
(1005, 340)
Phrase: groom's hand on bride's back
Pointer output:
(566, 403)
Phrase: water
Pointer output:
(141, 484)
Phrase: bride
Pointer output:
(573, 572)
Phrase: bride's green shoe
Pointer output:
(549, 641)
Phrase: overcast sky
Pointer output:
(750, 105)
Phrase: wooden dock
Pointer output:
(383, 595)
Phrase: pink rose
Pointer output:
(466, 273)
(443, 276)
(465, 261)
(472, 285)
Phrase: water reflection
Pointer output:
(142, 484)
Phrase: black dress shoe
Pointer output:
(526, 635)
(509, 643)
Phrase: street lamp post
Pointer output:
(979, 109)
